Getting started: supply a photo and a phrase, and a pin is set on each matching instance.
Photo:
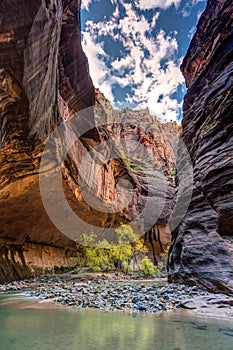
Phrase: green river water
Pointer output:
(70, 329)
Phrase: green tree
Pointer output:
(127, 247)
(101, 255)
(93, 253)
(147, 267)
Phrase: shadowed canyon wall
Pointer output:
(202, 247)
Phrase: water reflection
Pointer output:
(28, 329)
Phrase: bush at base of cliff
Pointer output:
(103, 255)
(147, 268)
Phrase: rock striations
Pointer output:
(38, 68)
(202, 249)
(44, 81)
(148, 150)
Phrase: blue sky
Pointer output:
(135, 49)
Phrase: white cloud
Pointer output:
(85, 4)
(163, 4)
(186, 10)
(154, 20)
(98, 69)
(199, 15)
(126, 62)
(152, 77)
(195, 2)
(192, 32)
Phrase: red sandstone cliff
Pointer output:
(37, 67)
(44, 81)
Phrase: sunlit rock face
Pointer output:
(44, 81)
(202, 250)
(41, 63)
(147, 148)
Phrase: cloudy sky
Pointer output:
(135, 49)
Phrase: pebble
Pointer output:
(134, 297)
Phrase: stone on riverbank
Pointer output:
(104, 294)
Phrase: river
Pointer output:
(71, 329)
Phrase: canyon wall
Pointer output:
(37, 68)
(202, 246)
(148, 149)
(45, 84)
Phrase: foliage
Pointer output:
(128, 245)
(62, 269)
(101, 255)
(173, 172)
(132, 164)
(124, 157)
(147, 267)
(94, 253)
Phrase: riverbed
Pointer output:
(107, 292)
